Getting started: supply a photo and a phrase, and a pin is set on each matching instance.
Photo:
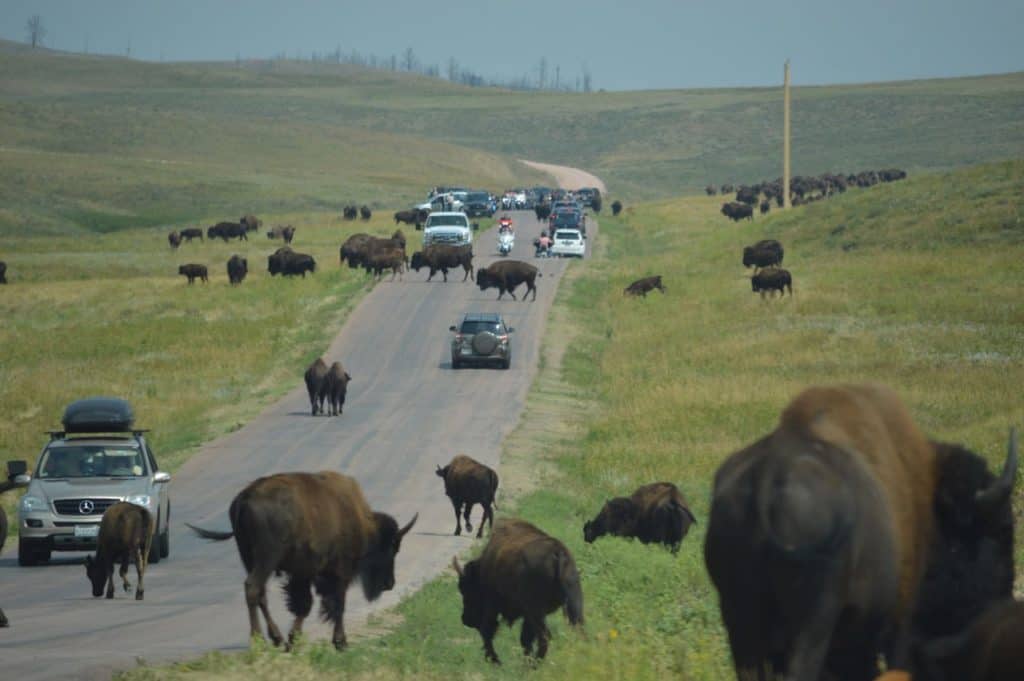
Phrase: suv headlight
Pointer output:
(30, 503)
(143, 500)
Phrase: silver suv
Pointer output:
(96, 461)
(481, 338)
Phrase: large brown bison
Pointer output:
(655, 513)
(174, 239)
(641, 287)
(190, 233)
(444, 257)
(354, 249)
(228, 230)
(468, 482)
(522, 572)
(506, 275)
(820, 535)
(412, 216)
(772, 280)
(317, 529)
(251, 223)
(764, 253)
(238, 267)
(991, 649)
(193, 271)
(315, 377)
(126, 535)
(288, 263)
(334, 389)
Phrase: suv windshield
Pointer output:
(470, 328)
(566, 220)
(87, 461)
(447, 221)
(478, 196)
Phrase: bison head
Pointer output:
(472, 593)
(484, 279)
(748, 256)
(274, 264)
(97, 575)
(617, 515)
(442, 472)
(377, 566)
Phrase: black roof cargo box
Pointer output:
(98, 415)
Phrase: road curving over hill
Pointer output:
(407, 411)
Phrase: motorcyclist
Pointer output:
(543, 243)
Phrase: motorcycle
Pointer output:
(506, 241)
(540, 251)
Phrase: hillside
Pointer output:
(105, 141)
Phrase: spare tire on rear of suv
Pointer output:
(485, 343)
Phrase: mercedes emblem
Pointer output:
(86, 507)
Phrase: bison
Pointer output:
(737, 211)
(228, 230)
(316, 377)
(193, 271)
(378, 261)
(334, 387)
(317, 529)
(174, 239)
(506, 275)
(747, 195)
(819, 535)
(727, 189)
(288, 263)
(350, 212)
(3, 272)
(641, 287)
(764, 253)
(413, 216)
(251, 223)
(286, 232)
(238, 267)
(126, 535)
(444, 257)
(766, 206)
(399, 238)
(616, 207)
(365, 213)
(989, 650)
(772, 280)
(654, 514)
(468, 482)
(354, 249)
(522, 572)
(710, 190)
(542, 211)
(190, 233)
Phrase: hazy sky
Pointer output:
(640, 44)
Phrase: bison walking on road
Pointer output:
(444, 257)
(317, 529)
(655, 513)
(522, 573)
(334, 388)
(315, 377)
(468, 482)
(126, 535)
(506, 275)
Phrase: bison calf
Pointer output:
(522, 572)
(468, 482)
(655, 513)
(190, 233)
(770, 281)
(193, 271)
(334, 387)
(126, 533)
(641, 287)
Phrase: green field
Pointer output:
(915, 284)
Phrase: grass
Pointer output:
(664, 388)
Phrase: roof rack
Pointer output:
(63, 434)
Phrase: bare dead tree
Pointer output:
(35, 29)
(453, 69)
(542, 75)
(408, 59)
(588, 82)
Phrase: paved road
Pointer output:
(407, 411)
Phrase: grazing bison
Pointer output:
(641, 287)
(317, 529)
(468, 482)
(991, 649)
(174, 239)
(227, 230)
(726, 189)
(764, 253)
(522, 572)
(250, 222)
(238, 267)
(286, 232)
(3, 272)
(772, 280)
(710, 190)
(737, 211)
(654, 514)
(766, 206)
(190, 233)
(353, 249)
(126, 535)
(616, 207)
(334, 388)
(506, 275)
(316, 377)
(288, 263)
(192, 271)
(444, 257)
(819, 535)
(350, 212)
(365, 213)
(747, 195)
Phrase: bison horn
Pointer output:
(1000, 489)
(404, 530)
(456, 566)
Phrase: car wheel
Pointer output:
(456, 364)
(154, 546)
(507, 362)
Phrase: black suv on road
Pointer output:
(482, 338)
(477, 204)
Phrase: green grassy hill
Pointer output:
(915, 284)
(106, 142)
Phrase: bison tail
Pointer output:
(572, 592)
(211, 534)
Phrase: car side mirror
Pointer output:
(452, 329)
(21, 480)
(162, 476)
(16, 468)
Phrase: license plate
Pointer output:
(87, 531)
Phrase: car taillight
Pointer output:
(503, 339)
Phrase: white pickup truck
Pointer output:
(448, 228)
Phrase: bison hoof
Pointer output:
(458, 531)
(469, 526)
(138, 594)
(110, 593)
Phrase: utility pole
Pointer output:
(785, 138)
